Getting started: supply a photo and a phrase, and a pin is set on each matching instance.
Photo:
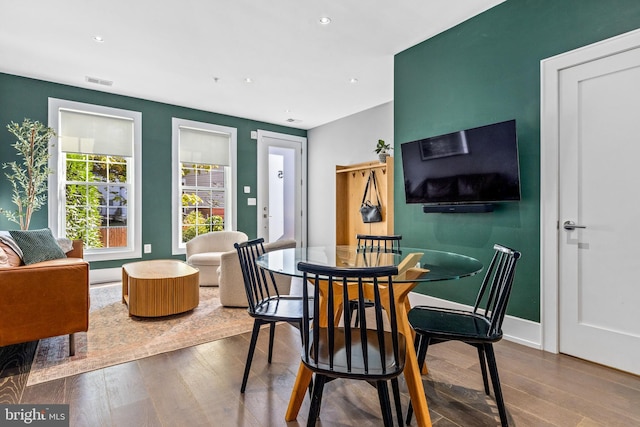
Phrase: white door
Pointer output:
(281, 187)
(599, 189)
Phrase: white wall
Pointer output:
(343, 142)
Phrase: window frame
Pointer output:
(230, 223)
(57, 181)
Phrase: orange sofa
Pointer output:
(45, 299)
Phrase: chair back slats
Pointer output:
(495, 289)
(375, 243)
(259, 284)
(334, 345)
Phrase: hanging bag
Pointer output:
(369, 211)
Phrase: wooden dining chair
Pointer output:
(265, 304)
(339, 349)
(480, 327)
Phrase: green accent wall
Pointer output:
(483, 71)
(22, 97)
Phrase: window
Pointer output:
(95, 193)
(203, 180)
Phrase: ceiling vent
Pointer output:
(98, 81)
(290, 120)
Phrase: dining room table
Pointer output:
(415, 265)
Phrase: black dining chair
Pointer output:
(369, 351)
(369, 242)
(372, 243)
(480, 327)
(266, 305)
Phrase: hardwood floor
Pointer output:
(199, 386)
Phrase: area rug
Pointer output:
(114, 337)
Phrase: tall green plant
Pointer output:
(28, 176)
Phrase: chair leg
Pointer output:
(493, 370)
(385, 404)
(272, 332)
(252, 347)
(422, 343)
(396, 398)
(72, 345)
(483, 368)
(316, 399)
(353, 306)
(299, 326)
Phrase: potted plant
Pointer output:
(382, 149)
(29, 175)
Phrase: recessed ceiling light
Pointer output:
(325, 20)
(353, 80)
(98, 39)
(248, 80)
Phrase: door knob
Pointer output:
(570, 225)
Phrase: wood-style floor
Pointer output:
(199, 386)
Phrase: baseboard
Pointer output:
(515, 329)
(105, 275)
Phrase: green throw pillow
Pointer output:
(37, 245)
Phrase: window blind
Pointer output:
(204, 147)
(95, 134)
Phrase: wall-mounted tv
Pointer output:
(472, 166)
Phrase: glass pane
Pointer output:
(76, 170)
(117, 169)
(203, 198)
(188, 175)
(76, 195)
(103, 203)
(203, 178)
(98, 170)
(217, 199)
(217, 178)
(189, 198)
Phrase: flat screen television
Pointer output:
(472, 166)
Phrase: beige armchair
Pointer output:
(204, 251)
(232, 293)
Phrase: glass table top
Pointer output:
(441, 265)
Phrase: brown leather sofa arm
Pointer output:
(44, 299)
(77, 251)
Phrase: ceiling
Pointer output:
(198, 53)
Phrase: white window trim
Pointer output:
(230, 223)
(56, 190)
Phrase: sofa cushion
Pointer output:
(4, 260)
(8, 257)
(37, 245)
(6, 238)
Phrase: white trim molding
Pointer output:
(104, 275)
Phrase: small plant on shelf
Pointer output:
(382, 149)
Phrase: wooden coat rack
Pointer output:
(350, 183)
